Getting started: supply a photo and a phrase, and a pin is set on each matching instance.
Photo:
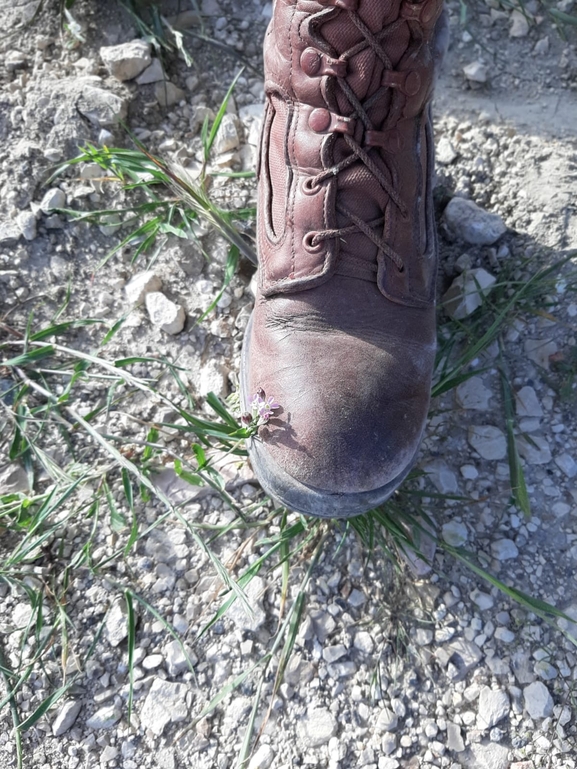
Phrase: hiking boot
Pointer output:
(342, 335)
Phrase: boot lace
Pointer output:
(374, 136)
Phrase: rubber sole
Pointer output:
(299, 496)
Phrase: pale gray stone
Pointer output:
(472, 394)
(316, 727)
(519, 24)
(140, 285)
(538, 700)
(164, 704)
(213, 378)
(466, 220)
(364, 642)
(116, 626)
(59, 267)
(539, 351)
(389, 743)
(357, 598)
(127, 60)
(9, 233)
(522, 666)
(152, 661)
(527, 403)
(168, 93)
(52, 199)
(263, 758)
(545, 670)
(152, 74)
(566, 464)
(66, 717)
(488, 441)
(504, 549)
(105, 717)
(455, 533)
(535, 451)
(466, 292)
(387, 720)
(423, 636)
(102, 108)
(504, 635)
(227, 138)
(541, 46)
(14, 480)
(167, 315)
(493, 707)
(26, 221)
(177, 659)
(445, 153)
(483, 600)
(476, 72)
(454, 738)
(441, 476)
(254, 618)
(464, 655)
(491, 756)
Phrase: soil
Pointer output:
(447, 684)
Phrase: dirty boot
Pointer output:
(343, 331)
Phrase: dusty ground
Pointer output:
(467, 680)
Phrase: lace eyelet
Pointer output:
(310, 188)
(308, 245)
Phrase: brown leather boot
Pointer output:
(343, 331)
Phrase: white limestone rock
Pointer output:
(152, 74)
(167, 315)
(164, 704)
(140, 285)
(263, 758)
(445, 152)
(488, 441)
(504, 549)
(471, 223)
(116, 626)
(466, 292)
(566, 464)
(483, 600)
(441, 476)
(316, 727)
(519, 24)
(105, 717)
(472, 394)
(538, 700)
(527, 403)
(455, 533)
(102, 108)
(227, 138)
(476, 72)
(14, 480)
(168, 93)
(53, 199)
(387, 720)
(127, 60)
(26, 221)
(66, 717)
(539, 351)
(213, 378)
(535, 451)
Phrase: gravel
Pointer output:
(388, 671)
